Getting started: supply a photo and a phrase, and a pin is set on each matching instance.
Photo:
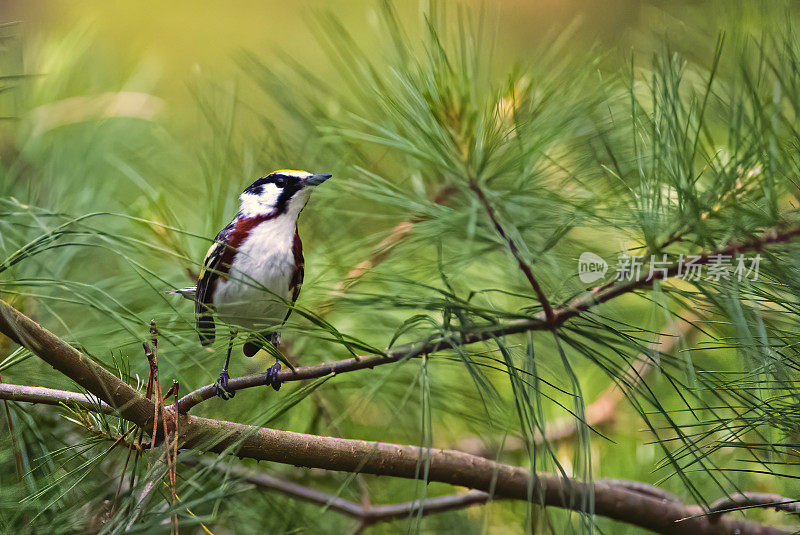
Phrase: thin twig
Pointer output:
(51, 396)
(456, 339)
(368, 514)
(749, 500)
(536, 323)
(523, 265)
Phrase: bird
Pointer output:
(253, 272)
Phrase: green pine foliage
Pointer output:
(107, 202)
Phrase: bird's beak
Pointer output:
(315, 180)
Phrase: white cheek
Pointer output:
(269, 195)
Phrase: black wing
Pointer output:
(297, 285)
(299, 271)
(213, 266)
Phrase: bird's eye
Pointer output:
(280, 182)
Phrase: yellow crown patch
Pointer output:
(290, 172)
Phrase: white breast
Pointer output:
(257, 290)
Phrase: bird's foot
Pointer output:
(222, 386)
(271, 376)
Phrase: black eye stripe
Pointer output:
(280, 181)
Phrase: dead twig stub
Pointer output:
(154, 391)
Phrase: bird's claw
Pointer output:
(222, 386)
(271, 376)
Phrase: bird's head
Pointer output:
(282, 192)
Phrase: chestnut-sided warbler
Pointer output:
(252, 273)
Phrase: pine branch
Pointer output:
(378, 458)
(537, 322)
(526, 269)
(633, 503)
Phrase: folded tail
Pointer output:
(258, 341)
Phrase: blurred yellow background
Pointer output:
(178, 37)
